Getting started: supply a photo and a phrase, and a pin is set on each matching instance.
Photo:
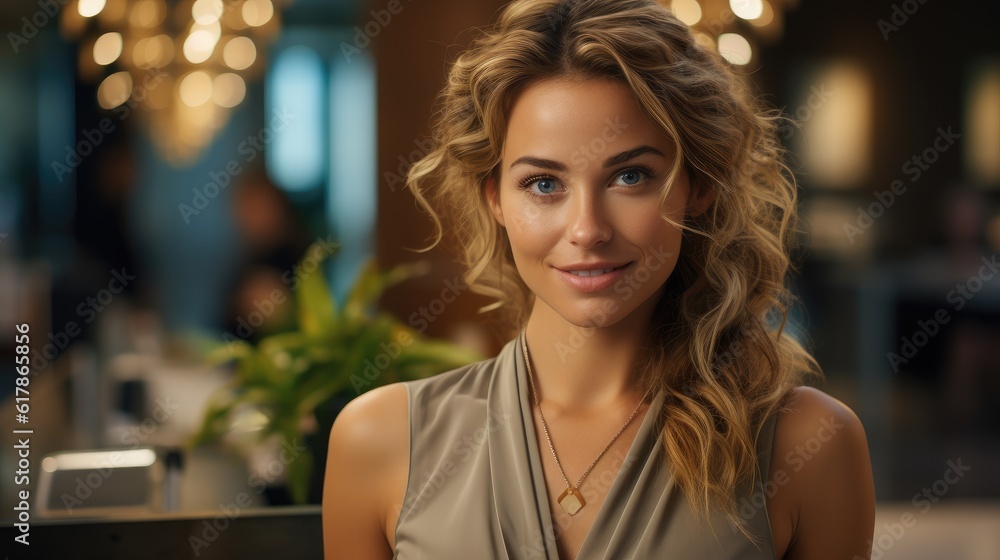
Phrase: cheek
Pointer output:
(647, 225)
(528, 223)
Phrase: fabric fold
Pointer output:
(477, 487)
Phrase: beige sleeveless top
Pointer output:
(476, 489)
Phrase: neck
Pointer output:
(580, 370)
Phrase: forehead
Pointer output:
(558, 117)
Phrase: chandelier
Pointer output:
(732, 27)
(179, 66)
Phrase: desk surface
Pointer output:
(279, 532)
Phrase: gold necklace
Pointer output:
(571, 499)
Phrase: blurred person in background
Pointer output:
(274, 240)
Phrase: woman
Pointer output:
(618, 191)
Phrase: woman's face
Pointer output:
(582, 171)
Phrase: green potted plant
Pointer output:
(297, 381)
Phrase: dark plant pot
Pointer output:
(317, 443)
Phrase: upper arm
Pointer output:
(821, 444)
(368, 439)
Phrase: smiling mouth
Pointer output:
(595, 272)
(586, 273)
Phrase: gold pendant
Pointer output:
(571, 500)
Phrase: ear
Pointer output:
(699, 199)
(493, 199)
(698, 205)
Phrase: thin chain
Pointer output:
(545, 428)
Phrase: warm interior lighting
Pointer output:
(196, 88)
(835, 110)
(108, 48)
(90, 8)
(239, 53)
(735, 48)
(688, 11)
(982, 121)
(766, 15)
(228, 90)
(113, 13)
(147, 13)
(257, 12)
(747, 9)
(725, 24)
(206, 11)
(153, 52)
(198, 46)
(184, 63)
(114, 90)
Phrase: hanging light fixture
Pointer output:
(732, 27)
(182, 65)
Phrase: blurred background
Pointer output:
(173, 175)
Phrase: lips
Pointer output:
(586, 273)
(599, 266)
(593, 278)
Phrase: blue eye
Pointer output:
(544, 184)
(632, 177)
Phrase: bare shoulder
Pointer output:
(821, 446)
(374, 424)
(369, 444)
(815, 414)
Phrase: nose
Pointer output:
(588, 221)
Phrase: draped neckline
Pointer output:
(520, 498)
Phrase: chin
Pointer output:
(597, 313)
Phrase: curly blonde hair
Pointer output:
(717, 345)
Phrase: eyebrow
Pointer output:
(610, 162)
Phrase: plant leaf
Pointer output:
(213, 423)
(316, 307)
(371, 283)
(299, 473)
